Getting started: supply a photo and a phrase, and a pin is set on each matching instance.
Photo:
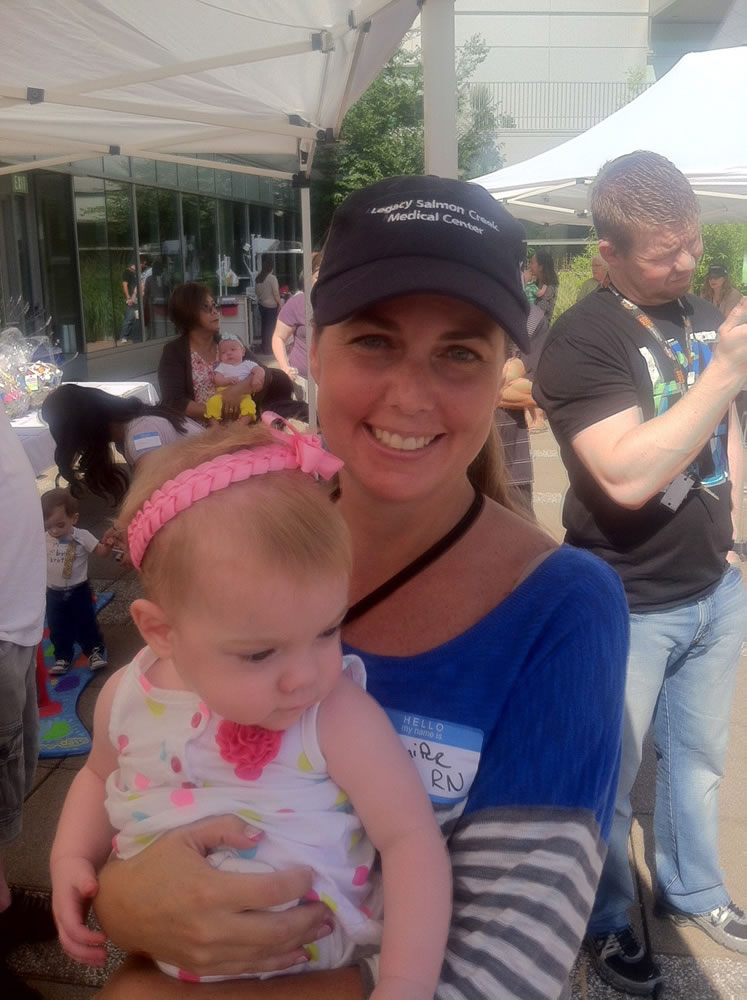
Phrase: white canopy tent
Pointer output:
(168, 79)
(691, 116)
(171, 78)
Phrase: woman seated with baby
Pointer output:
(187, 370)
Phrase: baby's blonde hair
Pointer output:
(283, 519)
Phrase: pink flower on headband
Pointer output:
(250, 748)
(290, 451)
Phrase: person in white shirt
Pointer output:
(269, 301)
(25, 915)
(70, 603)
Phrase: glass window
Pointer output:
(147, 220)
(160, 256)
(117, 166)
(200, 240)
(233, 235)
(223, 182)
(167, 270)
(54, 213)
(206, 179)
(95, 166)
(90, 212)
(144, 170)
(166, 174)
(252, 187)
(99, 313)
(171, 242)
(188, 177)
(238, 186)
(112, 309)
(266, 190)
(123, 264)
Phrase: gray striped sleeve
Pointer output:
(524, 884)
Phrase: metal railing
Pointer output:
(569, 106)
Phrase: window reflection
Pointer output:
(123, 264)
(200, 240)
(161, 257)
(137, 242)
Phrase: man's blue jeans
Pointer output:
(682, 669)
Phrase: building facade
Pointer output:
(76, 243)
(557, 67)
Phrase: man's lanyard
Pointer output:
(680, 373)
(681, 485)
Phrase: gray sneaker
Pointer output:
(97, 659)
(727, 925)
(60, 667)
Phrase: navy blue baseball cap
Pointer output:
(423, 234)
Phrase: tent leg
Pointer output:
(306, 244)
(439, 87)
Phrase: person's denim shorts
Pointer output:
(19, 733)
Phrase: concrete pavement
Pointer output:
(695, 967)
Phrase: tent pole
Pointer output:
(306, 244)
(439, 87)
(53, 161)
(234, 168)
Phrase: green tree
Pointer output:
(723, 244)
(382, 134)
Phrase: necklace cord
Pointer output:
(418, 564)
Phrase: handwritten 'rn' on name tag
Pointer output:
(446, 754)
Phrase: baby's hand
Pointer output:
(74, 885)
(232, 380)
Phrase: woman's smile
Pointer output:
(402, 441)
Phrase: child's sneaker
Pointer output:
(60, 667)
(97, 659)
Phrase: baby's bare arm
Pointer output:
(389, 798)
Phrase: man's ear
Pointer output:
(153, 625)
(609, 252)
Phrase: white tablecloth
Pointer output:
(36, 439)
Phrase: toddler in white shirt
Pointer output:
(71, 614)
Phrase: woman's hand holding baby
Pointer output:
(169, 902)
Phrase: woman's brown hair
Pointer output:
(185, 304)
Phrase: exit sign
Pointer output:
(20, 184)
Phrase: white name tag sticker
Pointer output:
(445, 754)
(147, 441)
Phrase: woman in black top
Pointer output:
(185, 371)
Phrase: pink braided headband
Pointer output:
(292, 451)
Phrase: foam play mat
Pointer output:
(61, 733)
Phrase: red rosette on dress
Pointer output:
(250, 748)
